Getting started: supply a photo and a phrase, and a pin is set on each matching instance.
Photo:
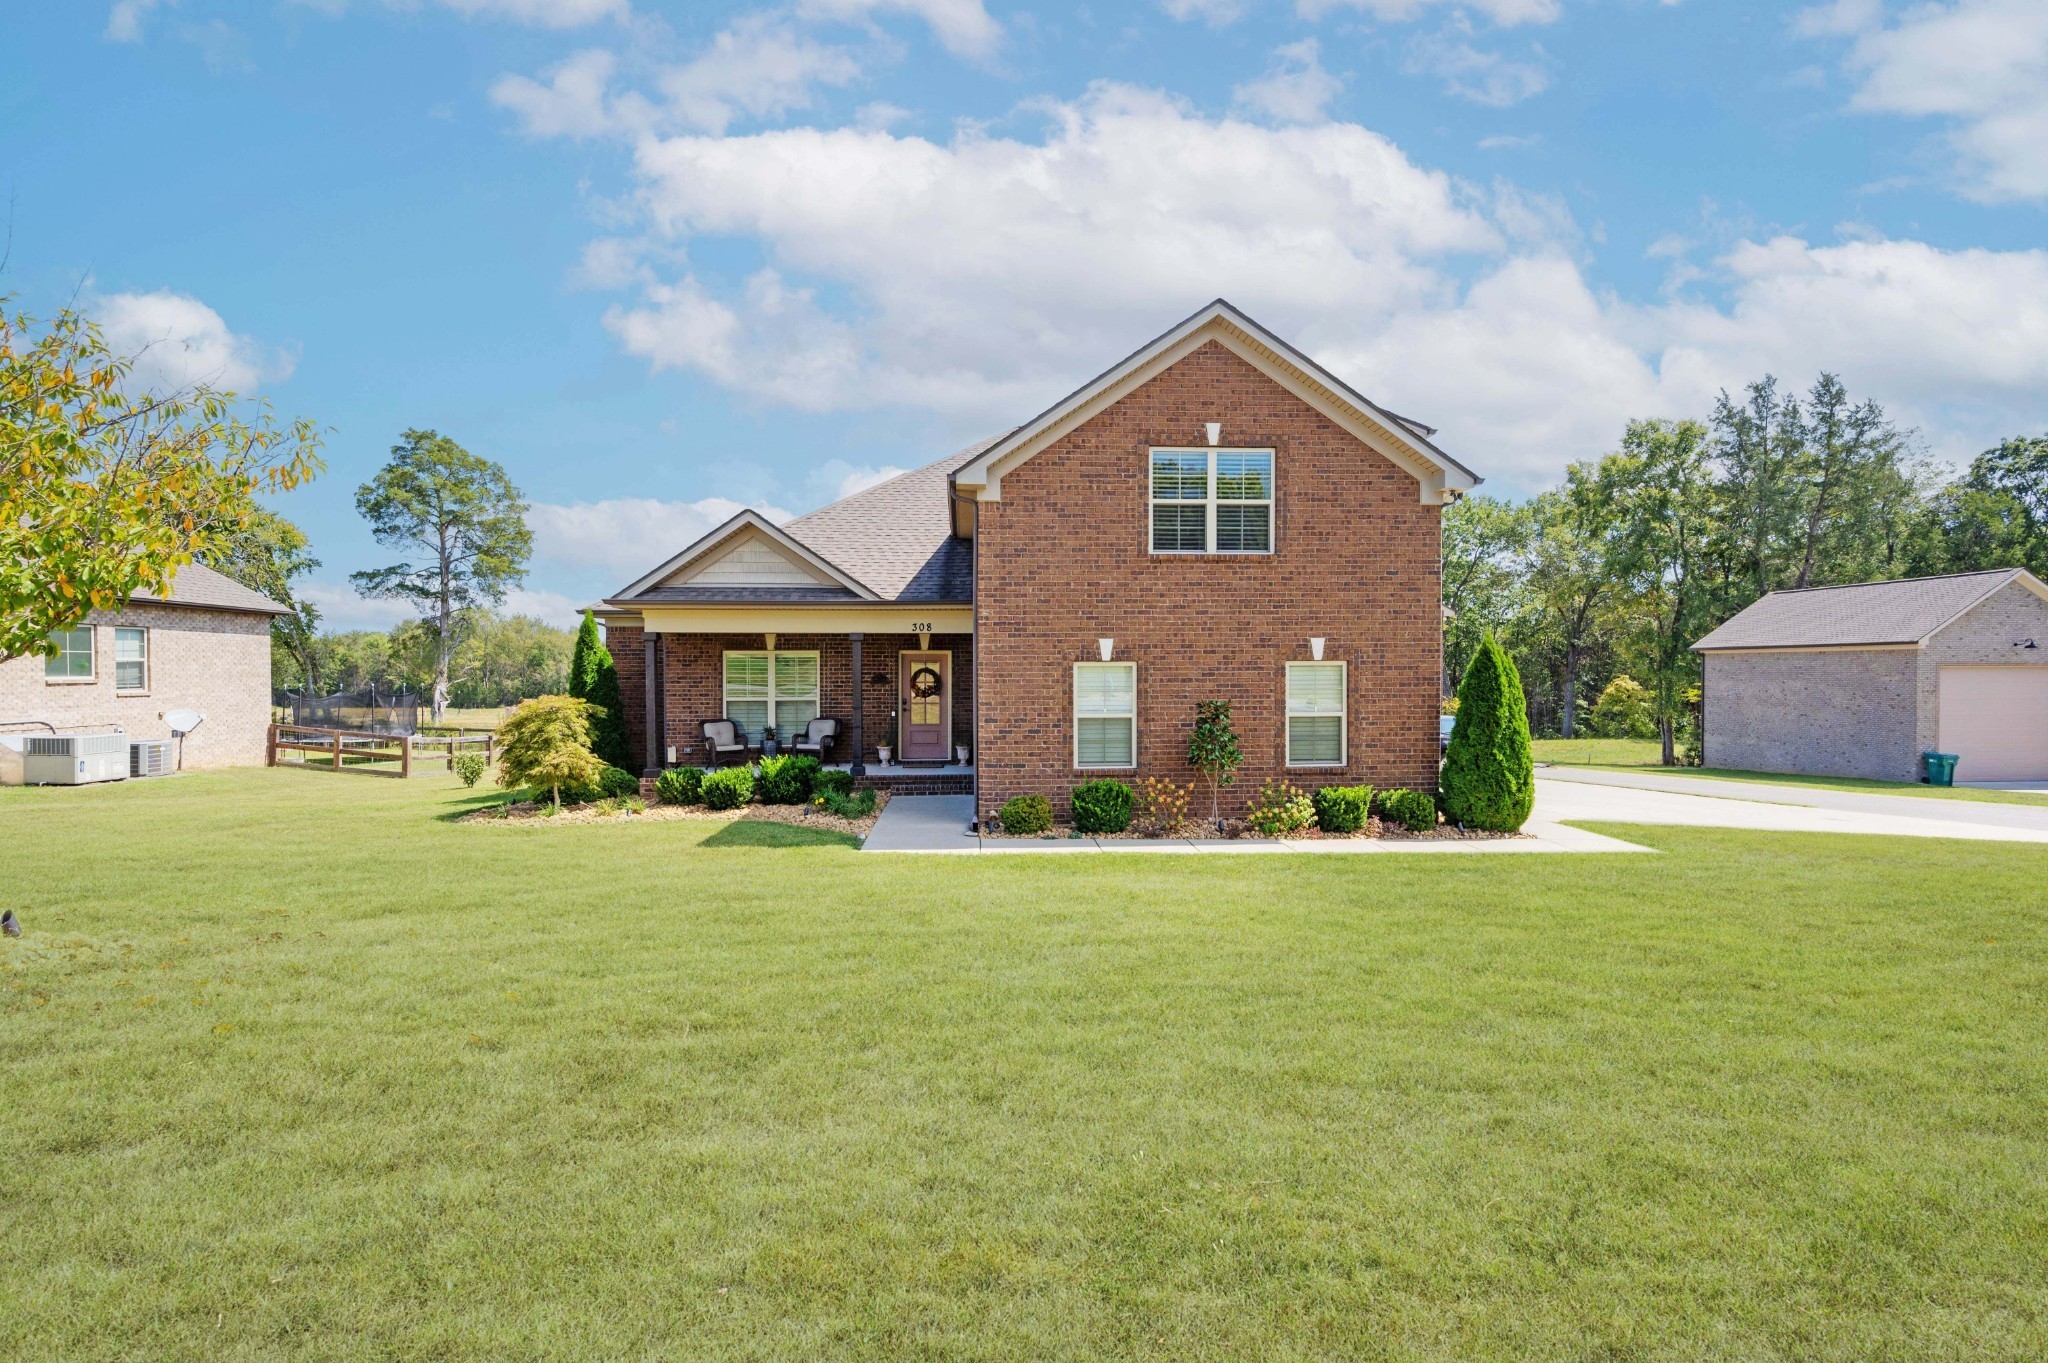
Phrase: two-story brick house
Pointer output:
(1215, 517)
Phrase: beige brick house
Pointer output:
(1216, 516)
(204, 645)
(1861, 680)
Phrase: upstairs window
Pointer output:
(1105, 714)
(73, 659)
(1315, 714)
(131, 659)
(1212, 501)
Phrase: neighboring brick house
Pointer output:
(1214, 517)
(1861, 680)
(204, 645)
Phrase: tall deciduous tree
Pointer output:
(268, 554)
(105, 492)
(463, 522)
(595, 678)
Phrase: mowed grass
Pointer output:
(1637, 752)
(294, 1068)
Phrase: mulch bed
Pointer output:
(528, 812)
(1201, 829)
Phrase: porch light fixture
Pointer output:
(671, 754)
(1106, 646)
(1315, 647)
(1215, 430)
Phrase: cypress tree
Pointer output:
(593, 677)
(1489, 778)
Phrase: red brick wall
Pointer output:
(693, 684)
(1064, 559)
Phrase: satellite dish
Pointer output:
(182, 722)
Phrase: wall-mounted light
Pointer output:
(2024, 643)
(671, 754)
(1215, 430)
(1107, 647)
(1315, 648)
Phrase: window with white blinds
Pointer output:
(1105, 714)
(1212, 501)
(1315, 714)
(771, 688)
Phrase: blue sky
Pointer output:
(661, 259)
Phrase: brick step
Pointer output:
(916, 783)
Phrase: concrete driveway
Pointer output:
(1583, 796)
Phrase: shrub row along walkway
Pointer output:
(939, 823)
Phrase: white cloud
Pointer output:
(625, 537)
(563, 612)
(1295, 88)
(341, 609)
(177, 341)
(836, 478)
(571, 104)
(1503, 12)
(1483, 77)
(1982, 64)
(542, 13)
(124, 20)
(1215, 13)
(963, 27)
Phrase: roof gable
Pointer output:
(1400, 440)
(748, 553)
(203, 588)
(1864, 614)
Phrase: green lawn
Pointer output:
(295, 1068)
(1647, 753)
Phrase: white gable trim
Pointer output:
(1438, 475)
(744, 523)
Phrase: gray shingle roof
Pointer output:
(1864, 614)
(897, 537)
(780, 596)
(201, 587)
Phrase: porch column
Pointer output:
(653, 718)
(860, 684)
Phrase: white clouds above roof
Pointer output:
(621, 536)
(178, 341)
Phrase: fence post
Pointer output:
(270, 747)
(405, 756)
(337, 751)
(490, 739)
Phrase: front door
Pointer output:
(925, 700)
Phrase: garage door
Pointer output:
(1996, 720)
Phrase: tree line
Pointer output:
(1643, 551)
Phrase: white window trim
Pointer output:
(1210, 502)
(816, 697)
(1075, 705)
(91, 678)
(1343, 717)
(119, 689)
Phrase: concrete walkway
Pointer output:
(1593, 797)
(1929, 808)
(938, 824)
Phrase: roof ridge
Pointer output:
(1890, 582)
(961, 454)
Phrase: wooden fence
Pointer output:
(357, 749)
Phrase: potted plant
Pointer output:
(769, 747)
(884, 752)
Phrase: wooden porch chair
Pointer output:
(724, 739)
(818, 736)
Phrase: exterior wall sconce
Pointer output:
(1215, 430)
(671, 754)
(1107, 647)
(1315, 647)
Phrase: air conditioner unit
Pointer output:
(74, 759)
(150, 757)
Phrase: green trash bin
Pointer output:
(1941, 768)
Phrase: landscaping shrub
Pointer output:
(729, 787)
(1102, 806)
(1025, 815)
(1280, 808)
(857, 804)
(1410, 808)
(1625, 710)
(594, 677)
(680, 786)
(787, 779)
(1162, 804)
(545, 745)
(831, 781)
(469, 767)
(1213, 749)
(1342, 809)
(1489, 778)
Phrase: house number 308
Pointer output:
(921, 628)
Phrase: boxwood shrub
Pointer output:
(1342, 809)
(469, 767)
(831, 781)
(1025, 815)
(786, 779)
(729, 787)
(612, 783)
(1103, 806)
(1411, 808)
(680, 786)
